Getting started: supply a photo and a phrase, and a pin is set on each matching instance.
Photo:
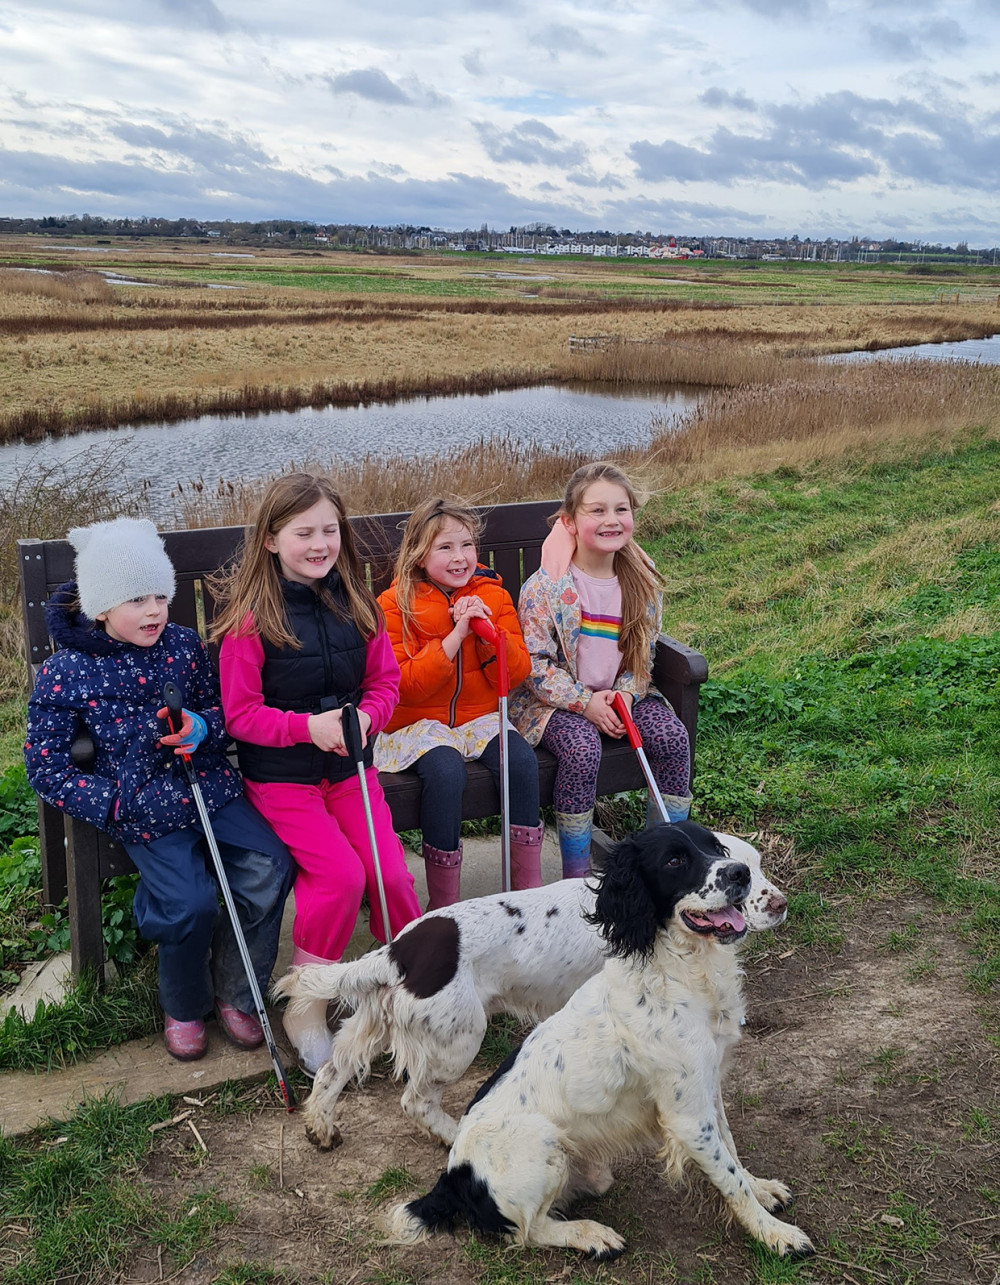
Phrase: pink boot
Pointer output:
(526, 856)
(186, 1041)
(443, 871)
(242, 1029)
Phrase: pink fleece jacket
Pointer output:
(241, 660)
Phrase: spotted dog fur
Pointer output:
(633, 1062)
(427, 998)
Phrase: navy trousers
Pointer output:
(177, 905)
(442, 779)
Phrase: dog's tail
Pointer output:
(363, 985)
(458, 1196)
(351, 984)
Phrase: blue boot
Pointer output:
(678, 809)
(573, 829)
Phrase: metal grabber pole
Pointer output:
(488, 632)
(174, 700)
(351, 726)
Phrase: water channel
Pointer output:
(578, 416)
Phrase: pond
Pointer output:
(986, 351)
(575, 416)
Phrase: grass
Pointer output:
(72, 1206)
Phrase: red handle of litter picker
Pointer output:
(631, 731)
(489, 632)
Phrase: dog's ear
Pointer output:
(624, 910)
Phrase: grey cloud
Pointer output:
(195, 13)
(837, 138)
(370, 83)
(558, 39)
(894, 43)
(201, 147)
(532, 142)
(716, 97)
(32, 183)
(584, 178)
(919, 41)
(803, 9)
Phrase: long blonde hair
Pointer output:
(639, 580)
(422, 528)
(251, 584)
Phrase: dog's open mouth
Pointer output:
(726, 925)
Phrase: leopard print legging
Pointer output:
(576, 743)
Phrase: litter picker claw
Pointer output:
(174, 700)
(488, 632)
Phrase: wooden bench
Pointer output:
(76, 857)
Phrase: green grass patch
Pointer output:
(72, 1187)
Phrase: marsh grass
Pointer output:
(296, 331)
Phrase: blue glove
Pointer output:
(192, 732)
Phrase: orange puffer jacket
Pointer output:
(451, 691)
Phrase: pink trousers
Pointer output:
(325, 830)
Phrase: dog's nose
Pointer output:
(736, 876)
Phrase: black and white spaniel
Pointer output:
(427, 998)
(633, 1062)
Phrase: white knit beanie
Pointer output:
(117, 561)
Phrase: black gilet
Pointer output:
(326, 672)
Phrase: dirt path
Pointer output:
(864, 1080)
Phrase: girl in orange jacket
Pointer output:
(447, 712)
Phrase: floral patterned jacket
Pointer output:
(549, 611)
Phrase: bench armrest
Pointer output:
(678, 672)
(676, 663)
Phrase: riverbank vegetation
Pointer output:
(204, 333)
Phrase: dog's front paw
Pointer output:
(326, 1139)
(600, 1243)
(773, 1195)
(790, 1242)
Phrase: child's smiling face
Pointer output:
(308, 545)
(604, 521)
(451, 559)
(140, 621)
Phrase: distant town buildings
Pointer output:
(533, 239)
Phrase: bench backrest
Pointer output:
(511, 545)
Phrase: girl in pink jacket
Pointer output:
(302, 636)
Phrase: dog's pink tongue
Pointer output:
(729, 916)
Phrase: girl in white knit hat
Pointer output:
(116, 650)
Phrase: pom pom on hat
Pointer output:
(117, 561)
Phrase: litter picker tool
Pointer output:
(174, 701)
(488, 632)
(351, 725)
(635, 740)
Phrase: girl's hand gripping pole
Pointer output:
(488, 632)
(351, 727)
(174, 700)
(635, 740)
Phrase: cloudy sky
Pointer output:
(719, 117)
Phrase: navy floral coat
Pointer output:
(137, 791)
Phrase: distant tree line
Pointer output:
(531, 237)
